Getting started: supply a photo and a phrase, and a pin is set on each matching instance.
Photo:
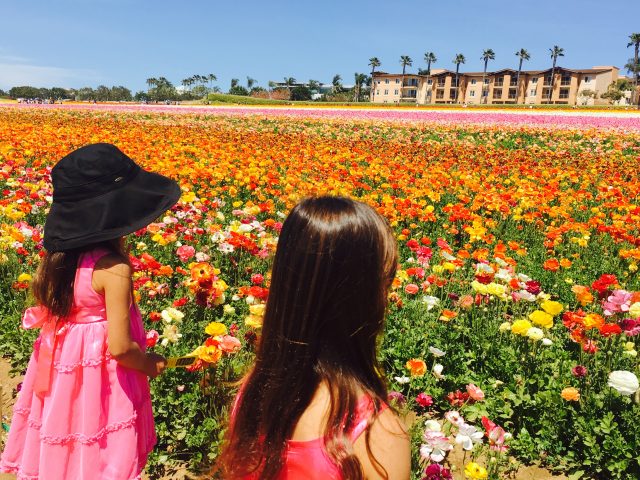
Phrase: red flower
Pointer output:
(180, 302)
(579, 371)
(533, 287)
(609, 329)
(457, 398)
(413, 245)
(424, 400)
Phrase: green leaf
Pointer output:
(576, 475)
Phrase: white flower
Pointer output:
(454, 417)
(430, 301)
(436, 447)
(547, 342)
(437, 371)
(503, 275)
(170, 334)
(402, 380)
(529, 297)
(170, 314)
(500, 262)
(468, 435)
(626, 383)
(483, 268)
(245, 228)
(225, 247)
(432, 426)
(217, 237)
(535, 334)
(437, 352)
(202, 257)
(447, 256)
(523, 278)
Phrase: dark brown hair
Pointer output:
(53, 284)
(335, 261)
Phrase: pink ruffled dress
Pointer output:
(79, 414)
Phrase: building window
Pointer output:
(564, 93)
(486, 81)
(386, 92)
(472, 93)
(512, 93)
(587, 79)
(386, 80)
(546, 92)
(513, 82)
(378, 82)
(499, 82)
(566, 80)
(452, 93)
(377, 92)
(441, 82)
(534, 81)
(397, 81)
(412, 93)
(547, 81)
(395, 92)
(440, 94)
(532, 92)
(429, 82)
(497, 93)
(473, 81)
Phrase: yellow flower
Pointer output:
(475, 471)
(520, 327)
(253, 321)
(496, 289)
(25, 277)
(215, 328)
(504, 327)
(479, 287)
(541, 318)
(551, 307)
(634, 310)
(209, 354)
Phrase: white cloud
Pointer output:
(17, 71)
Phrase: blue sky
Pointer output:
(75, 43)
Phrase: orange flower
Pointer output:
(448, 315)
(416, 367)
(565, 263)
(570, 394)
(552, 265)
(583, 294)
(593, 320)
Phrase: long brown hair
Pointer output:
(53, 284)
(335, 261)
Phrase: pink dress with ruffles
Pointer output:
(79, 414)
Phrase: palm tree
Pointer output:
(289, 82)
(487, 55)
(634, 39)
(458, 60)
(337, 86)
(314, 85)
(430, 58)
(359, 79)
(250, 83)
(405, 61)
(373, 63)
(556, 52)
(151, 82)
(212, 78)
(234, 82)
(524, 55)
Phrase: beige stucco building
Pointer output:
(570, 87)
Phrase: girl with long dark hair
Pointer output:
(314, 405)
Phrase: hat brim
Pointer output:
(117, 213)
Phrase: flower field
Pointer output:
(514, 319)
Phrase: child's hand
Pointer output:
(156, 364)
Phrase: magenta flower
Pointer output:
(579, 371)
(436, 471)
(630, 327)
(424, 400)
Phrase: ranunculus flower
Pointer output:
(551, 307)
(411, 289)
(416, 367)
(435, 471)
(579, 371)
(152, 338)
(396, 397)
(541, 318)
(475, 393)
(229, 344)
(436, 352)
(535, 334)
(520, 327)
(468, 435)
(215, 329)
(583, 294)
(626, 383)
(424, 400)
(570, 394)
(634, 310)
(630, 327)
(475, 471)
(185, 252)
(593, 320)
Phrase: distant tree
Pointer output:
(211, 78)
(634, 39)
(151, 82)
(586, 94)
(121, 94)
(405, 61)
(523, 55)
(430, 58)
(58, 93)
(616, 90)
(238, 90)
(234, 83)
(289, 82)
(314, 86)
(555, 52)
(359, 80)
(336, 84)
(459, 58)
(301, 93)
(374, 62)
(487, 55)
(141, 96)
(3, 93)
(251, 82)
(25, 92)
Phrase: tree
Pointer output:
(634, 39)
(212, 78)
(616, 90)
(523, 55)
(405, 61)
(301, 93)
(359, 80)
(487, 55)
(3, 93)
(289, 82)
(151, 82)
(336, 83)
(251, 82)
(458, 60)
(556, 52)
(234, 83)
(430, 58)
(586, 94)
(314, 86)
(238, 90)
(373, 63)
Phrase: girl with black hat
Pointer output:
(84, 411)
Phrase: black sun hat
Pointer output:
(100, 194)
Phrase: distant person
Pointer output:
(314, 406)
(84, 411)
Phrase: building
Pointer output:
(570, 87)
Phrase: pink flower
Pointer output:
(630, 327)
(152, 338)
(618, 301)
(579, 371)
(185, 252)
(412, 289)
(229, 344)
(424, 400)
(257, 279)
(475, 393)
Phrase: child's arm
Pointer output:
(113, 277)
